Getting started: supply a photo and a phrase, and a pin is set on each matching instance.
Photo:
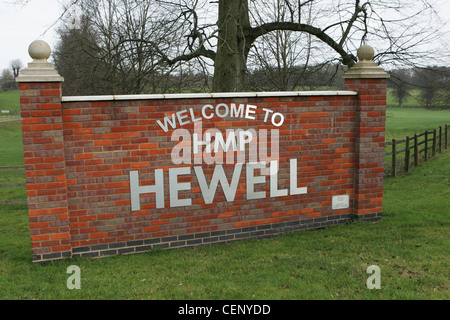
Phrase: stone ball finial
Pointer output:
(39, 50)
(365, 52)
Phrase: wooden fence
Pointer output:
(414, 149)
(12, 185)
(7, 115)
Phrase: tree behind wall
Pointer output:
(99, 58)
(400, 83)
(434, 85)
(7, 80)
(221, 35)
(16, 66)
(77, 60)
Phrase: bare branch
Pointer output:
(347, 59)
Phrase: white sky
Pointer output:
(21, 25)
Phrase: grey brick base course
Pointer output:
(205, 238)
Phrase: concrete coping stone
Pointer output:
(207, 95)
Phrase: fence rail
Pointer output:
(12, 168)
(12, 185)
(7, 115)
(4, 202)
(413, 149)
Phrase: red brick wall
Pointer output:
(79, 155)
(371, 114)
(43, 144)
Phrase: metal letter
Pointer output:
(249, 111)
(175, 187)
(242, 140)
(237, 113)
(281, 121)
(227, 110)
(293, 179)
(218, 176)
(196, 143)
(136, 190)
(252, 180)
(208, 106)
(231, 141)
(274, 192)
(181, 116)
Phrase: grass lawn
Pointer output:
(11, 150)
(407, 121)
(411, 100)
(11, 147)
(9, 100)
(409, 244)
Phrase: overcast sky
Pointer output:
(21, 25)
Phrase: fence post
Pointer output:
(393, 157)
(446, 137)
(440, 139)
(416, 151)
(407, 154)
(426, 145)
(433, 151)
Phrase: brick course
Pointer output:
(79, 154)
(45, 169)
(371, 114)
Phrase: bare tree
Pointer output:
(76, 57)
(280, 53)
(434, 85)
(400, 83)
(105, 52)
(16, 65)
(339, 26)
(7, 80)
(221, 35)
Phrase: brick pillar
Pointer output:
(370, 81)
(40, 102)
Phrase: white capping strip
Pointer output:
(208, 95)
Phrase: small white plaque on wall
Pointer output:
(340, 202)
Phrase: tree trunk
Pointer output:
(232, 47)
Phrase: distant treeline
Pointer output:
(432, 82)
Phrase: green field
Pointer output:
(409, 244)
(11, 147)
(9, 100)
(412, 99)
(401, 122)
